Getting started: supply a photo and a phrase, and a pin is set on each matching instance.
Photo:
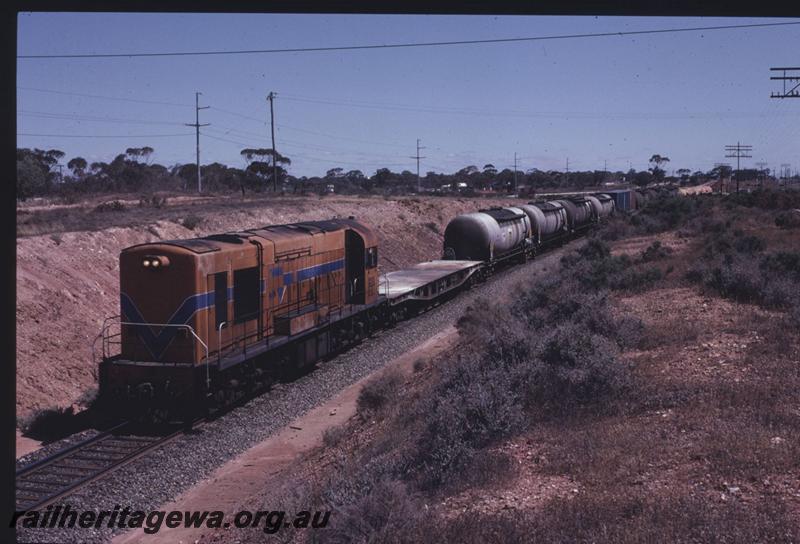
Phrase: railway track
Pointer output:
(57, 475)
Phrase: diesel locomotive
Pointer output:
(199, 312)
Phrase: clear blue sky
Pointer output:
(614, 99)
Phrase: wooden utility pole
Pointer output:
(419, 187)
(761, 172)
(738, 151)
(270, 97)
(197, 126)
(515, 173)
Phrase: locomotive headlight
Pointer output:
(155, 261)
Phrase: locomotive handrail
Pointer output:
(178, 326)
(108, 322)
(230, 345)
(101, 335)
(383, 278)
(219, 340)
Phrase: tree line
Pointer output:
(41, 173)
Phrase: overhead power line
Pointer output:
(513, 113)
(404, 45)
(102, 97)
(105, 135)
(91, 118)
(242, 144)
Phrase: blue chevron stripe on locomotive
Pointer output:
(307, 273)
(157, 344)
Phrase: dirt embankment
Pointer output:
(68, 276)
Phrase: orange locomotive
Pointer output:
(200, 316)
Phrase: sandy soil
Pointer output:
(25, 445)
(231, 486)
(711, 342)
(68, 282)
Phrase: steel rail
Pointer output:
(105, 459)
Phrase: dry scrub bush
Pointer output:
(48, 424)
(738, 267)
(192, 221)
(655, 251)
(378, 394)
(477, 401)
(111, 206)
(788, 220)
(332, 436)
(386, 513)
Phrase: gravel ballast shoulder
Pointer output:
(162, 475)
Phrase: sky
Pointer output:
(603, 102)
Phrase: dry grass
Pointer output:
(697, 442)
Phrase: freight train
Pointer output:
(204, 321)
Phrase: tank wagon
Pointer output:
(548, 220)
(607, 204)
(489, 235)
(580, 213)
(602, 205)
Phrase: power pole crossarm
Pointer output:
(791, 75)
(738, 151)
(197, 126)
